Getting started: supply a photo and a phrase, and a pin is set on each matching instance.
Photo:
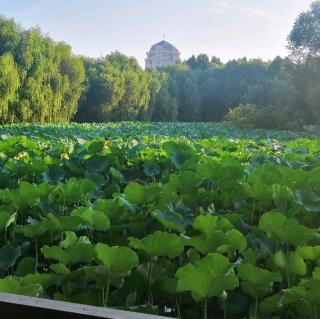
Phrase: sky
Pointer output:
(224, 28)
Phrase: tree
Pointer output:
(9, 84)
(223, 86)
(165, 103)
(117, 90)
(304, 39)
(200, 62)
(10, 36)
(188, 94)
(45, 79)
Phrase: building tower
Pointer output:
(162, 54)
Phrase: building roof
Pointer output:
(164, 45)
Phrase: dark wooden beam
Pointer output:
(22, 307)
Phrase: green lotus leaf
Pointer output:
(70, 239)
(45, 280)
(296, 264)
(256, 280)
(116, 174)
(278, 226)
(236, 241)
(206, 244)
(269, 305)
(126, 204)
(280, 259)
(316, 273)
(4, 216)
(60, 269)
(170, 220)
(309, 199)
(33, 230)
(71, 255)
(95, 146)
(309, 252)
(98, 220)
(312, 287)
(13, 286)
(12, 219)
(117, 259)
(26, 266)
(62, 223)
(179, 153)
(109, 207)
(5, 220)
(294, 295)
(54, 174)
(29, 195)
(101, 275)
(134, 193)
(97, 164)
(282, 195)
(208, 277)
(9, 256)
(159, 244)
(208, 224)
(151, 169)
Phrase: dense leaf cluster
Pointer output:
(40, 80)
(187, 226)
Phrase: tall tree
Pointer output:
(199, 62)
(50, 78)
(304, 39)
(165, 103)
(188, 94)
(117, 89)
(9, 84)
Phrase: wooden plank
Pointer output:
(22, 307)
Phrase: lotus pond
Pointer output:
(182, 220)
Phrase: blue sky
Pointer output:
(225, 28)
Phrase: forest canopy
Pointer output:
(42, 81)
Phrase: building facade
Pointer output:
(161, 55)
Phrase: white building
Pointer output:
(161, 55)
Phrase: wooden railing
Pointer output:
(21, 307)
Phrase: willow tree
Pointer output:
(47, 80)
(9, 84)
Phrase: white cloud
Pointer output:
(226, 7)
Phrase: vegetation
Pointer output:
(304, 39)
(41, 81)
(187, 220)
(118, 90)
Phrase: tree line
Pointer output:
(42, 81)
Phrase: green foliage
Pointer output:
(40, 80)
(242, 116)
(304, 39)
(208, 277)
(117, 90)
(9, 84)
(286, 230)
(159, 244)
(205, 219)
(256, 281)
(117, 259)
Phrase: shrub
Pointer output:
(242, 116)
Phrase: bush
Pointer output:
(242, 116)
(268, 117)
